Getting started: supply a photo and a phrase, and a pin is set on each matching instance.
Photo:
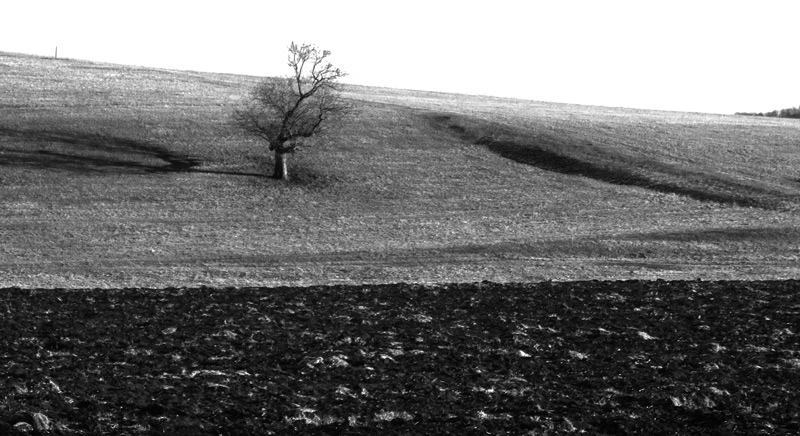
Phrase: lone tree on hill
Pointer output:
(285, 111)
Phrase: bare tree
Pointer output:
(285, 111)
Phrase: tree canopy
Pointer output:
(284, 111)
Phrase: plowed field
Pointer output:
(635, 357)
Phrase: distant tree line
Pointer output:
(792, 112)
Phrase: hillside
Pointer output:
(114, 176)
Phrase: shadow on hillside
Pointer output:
(95, 153)
(550, 161)
(787, 235)
(535, 155)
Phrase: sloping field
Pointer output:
(114, 176)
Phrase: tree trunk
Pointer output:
(281, 169)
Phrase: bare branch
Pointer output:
(285, 111)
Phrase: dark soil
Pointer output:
(609, 358)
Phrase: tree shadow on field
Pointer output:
(86, 152)
(531, 153)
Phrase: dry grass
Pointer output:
(124, 176)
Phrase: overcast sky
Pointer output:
(704, 56)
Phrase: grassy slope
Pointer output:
(128, 176)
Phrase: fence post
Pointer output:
(56, 52)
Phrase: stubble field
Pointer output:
(117, 176)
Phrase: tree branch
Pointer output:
(283, 111)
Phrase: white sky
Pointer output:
(700, 55)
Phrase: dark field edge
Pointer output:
(588, 357)
(791, 283)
